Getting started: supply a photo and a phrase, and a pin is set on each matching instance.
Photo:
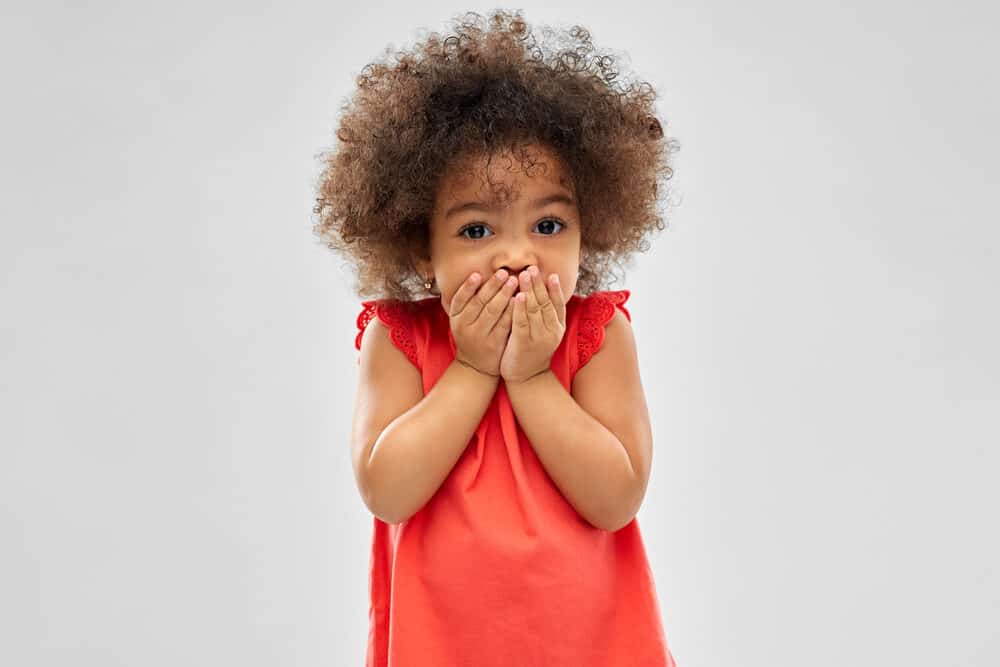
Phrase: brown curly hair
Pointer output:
(488, 88)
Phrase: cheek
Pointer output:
(567, 282)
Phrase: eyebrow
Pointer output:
(557, 197)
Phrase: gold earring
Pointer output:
(427, 284)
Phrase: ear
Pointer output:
(421, 265)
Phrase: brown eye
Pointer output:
(468, 227)
(551, 220)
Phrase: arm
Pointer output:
(597, 451)
(414, 454)
(584, 459)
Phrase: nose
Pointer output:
(515, 253)
(517, 269)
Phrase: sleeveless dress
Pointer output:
(497, 568)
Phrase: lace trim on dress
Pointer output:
(598, 309)
(399, 320)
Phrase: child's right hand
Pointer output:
(481, 321)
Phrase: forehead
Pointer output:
(504, 177)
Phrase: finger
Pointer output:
(519, 324)
(498, 301)
(559, 301)
(475, 304)
(531, 304)
(482, 297)
(503, 324)
(463, 294)
(490, 307)
(546, 309)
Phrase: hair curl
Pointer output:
(482, 90)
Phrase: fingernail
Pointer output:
(555, 279)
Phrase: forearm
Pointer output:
(586, 461)
(414, 454)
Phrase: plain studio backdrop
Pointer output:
(817, 331)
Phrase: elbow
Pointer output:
(383, 511)
(386, 518)
(615, 526)
(383, 493)
(376, 509)
(621, 509)
(612, 522)
(368, 483)
(385, 508)
(611, 517)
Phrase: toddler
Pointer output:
(483, 187)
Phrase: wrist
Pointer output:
(477, 371)
(525, 379)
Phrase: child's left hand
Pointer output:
(537, 328)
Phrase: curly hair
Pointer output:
(488, 88)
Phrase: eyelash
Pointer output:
(472, 225)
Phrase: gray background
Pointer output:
(817, 331)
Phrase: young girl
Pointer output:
(501, 438)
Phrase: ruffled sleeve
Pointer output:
(596, 311)
(395, 315)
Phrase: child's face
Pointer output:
(505, 227)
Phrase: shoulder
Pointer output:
(617, 332)
(400, 322)
(379, 335)
(606, 341)
(385, 343)
(599, 307)
(596, 315)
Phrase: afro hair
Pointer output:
(489, 87)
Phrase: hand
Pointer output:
(480, 321)
(538, 326)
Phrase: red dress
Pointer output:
(497, 568)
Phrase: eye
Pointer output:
(545, 221)
(558, 222)
(472, 226)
